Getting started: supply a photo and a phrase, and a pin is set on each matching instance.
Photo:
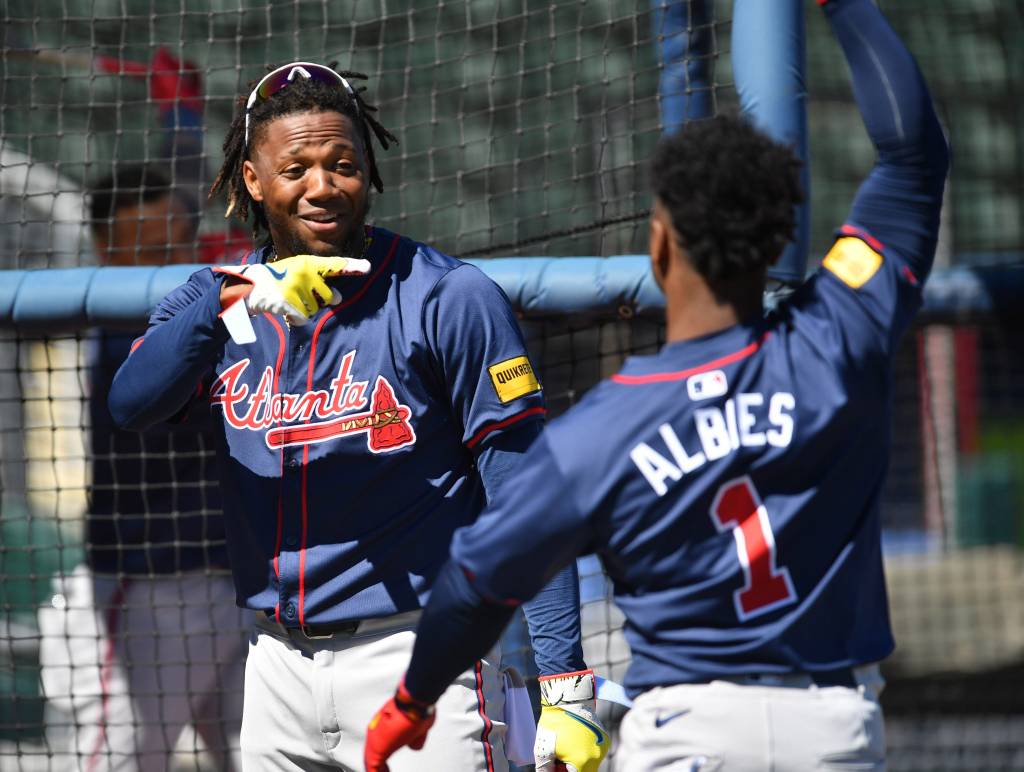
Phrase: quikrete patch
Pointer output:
(513, 378)
(852, 261)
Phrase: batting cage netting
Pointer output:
(524, 130)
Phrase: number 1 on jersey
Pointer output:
(737, 506)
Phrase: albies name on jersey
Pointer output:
(720, 431)
(339, 408)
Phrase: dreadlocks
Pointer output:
(301, 96)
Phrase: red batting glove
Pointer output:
(172, 81)
(402, 721)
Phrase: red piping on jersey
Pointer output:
(480, 705)
(136, 343)
(878, 246)
(345, 304)
(871, 241)
(113, 618)
(349, 301)
(309, 387)
(305, 530)
(910, 275)
(280, 351)
(280, 506)
(502, 424)
(714, 364)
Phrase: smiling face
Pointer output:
(309, 171)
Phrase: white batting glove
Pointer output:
(568, 732)
(295, 287)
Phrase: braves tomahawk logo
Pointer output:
(339, 411)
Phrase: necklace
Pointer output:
(367, 242)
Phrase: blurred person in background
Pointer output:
(145, 637)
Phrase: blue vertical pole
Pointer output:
(683, 34)
(769, 65)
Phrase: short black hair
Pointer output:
(128, 185)
(303, 95)
(731, 192)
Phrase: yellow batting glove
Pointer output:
(568, 732)
(295, 287)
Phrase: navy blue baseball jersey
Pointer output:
(349, 444)
(730, 485)
(154, 504)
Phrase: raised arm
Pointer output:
(554, 615)
(898, 204)
(509, 555)
(165, 366)
(187, 331)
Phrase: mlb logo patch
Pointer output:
(707, 385)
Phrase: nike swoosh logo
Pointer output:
(588, 725)
(660, 721)
(275, 274)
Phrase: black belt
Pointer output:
(328, 630)
(840, 677)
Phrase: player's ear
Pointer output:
(252, 182)
(659, 245)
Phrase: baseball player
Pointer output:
(730, 483)
(371, 392)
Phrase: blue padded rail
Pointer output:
(65, 299)
(540, 286)
(61, 299)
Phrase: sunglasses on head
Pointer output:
(278, 79)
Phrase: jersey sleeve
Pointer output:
(873, 276)
(167, 366)
(861, 301)
(530, 531)
(481, 357)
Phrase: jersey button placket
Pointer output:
(298, 340)
(296, 365)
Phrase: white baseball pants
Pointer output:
(126, 664)
(745, 725)
(308, 701)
